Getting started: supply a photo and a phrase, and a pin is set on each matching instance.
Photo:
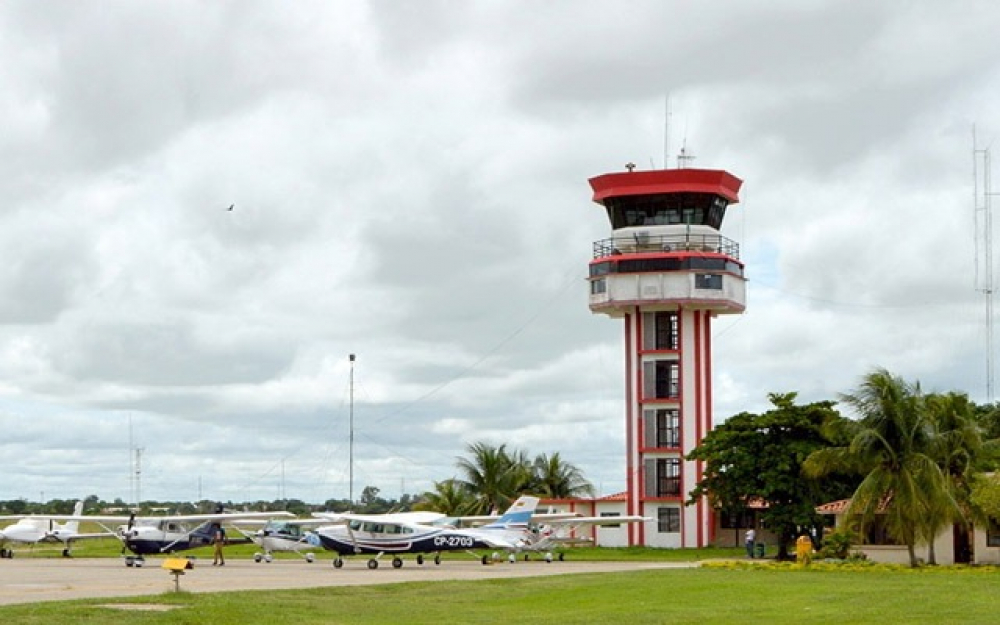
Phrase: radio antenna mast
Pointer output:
(983, 218)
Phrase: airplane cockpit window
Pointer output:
(354, 525)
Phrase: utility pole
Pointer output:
(351, 437)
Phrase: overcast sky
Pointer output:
(410, 185)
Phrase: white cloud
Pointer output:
(410, 185)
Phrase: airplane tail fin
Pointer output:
(517, 515)
(74, 526)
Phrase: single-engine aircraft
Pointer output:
(564, 530)
(299, 536)
(33, 529)
(168, 534)
(379, 534)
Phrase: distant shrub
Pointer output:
(837, 544)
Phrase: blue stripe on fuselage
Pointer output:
(439, 541)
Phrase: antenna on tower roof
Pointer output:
(666, 132)
(683, 158)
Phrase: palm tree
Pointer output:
(494, 475)
(557, 479)
(450, 497)
(894, 444)
(960, 451)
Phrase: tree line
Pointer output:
(489, 479)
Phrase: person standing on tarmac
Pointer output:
(218, 539)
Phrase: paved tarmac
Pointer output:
(29, 580)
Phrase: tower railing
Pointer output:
(681, 242)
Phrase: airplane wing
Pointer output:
(218, 516)
(596, 520)
(314, 522)
(416, 518)
(538, 517)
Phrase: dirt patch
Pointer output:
(140, 607)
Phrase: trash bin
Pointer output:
(760, 550)
(803, 549)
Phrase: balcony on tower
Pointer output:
(665, 246)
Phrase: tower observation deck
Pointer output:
(667, 271)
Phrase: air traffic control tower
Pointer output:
(667, 272)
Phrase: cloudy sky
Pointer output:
(410, 185)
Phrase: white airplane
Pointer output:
(563, 529)
(169, 534)
(285, 535)
(33, 529)
(295, 535)
(379, 534)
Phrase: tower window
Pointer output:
(668, 477)
(661, 379)
(708, 281)
(666, 330)
(668, 428)
(598, 286)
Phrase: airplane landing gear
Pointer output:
(66, 553)
(420, 559)
(6, 553)
(310, 557)
(338, 562)
(373, 564)
(437, 559)
(397, 563)
(258, 557)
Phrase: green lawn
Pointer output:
(707, 595)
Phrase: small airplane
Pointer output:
(562, 530)
(295, 535)
(285, 535)
(33, 529)
(169, 534)
(416, 532)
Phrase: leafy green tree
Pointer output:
(557, 479)
(894, 443)
(451, 497)
(759, 457)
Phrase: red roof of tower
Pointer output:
(662, 181)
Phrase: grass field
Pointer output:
(707, 595)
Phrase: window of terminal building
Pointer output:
(993, 534)
(668, 520)
(611, 514)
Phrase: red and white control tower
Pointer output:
(666, 271)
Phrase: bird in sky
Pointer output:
(231, 207)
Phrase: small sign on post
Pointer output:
(176, 567)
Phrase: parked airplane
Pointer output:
(168, 534)
(296, 536)
(33, 529)
(291, 535)
(564, 530)
(379, 534)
